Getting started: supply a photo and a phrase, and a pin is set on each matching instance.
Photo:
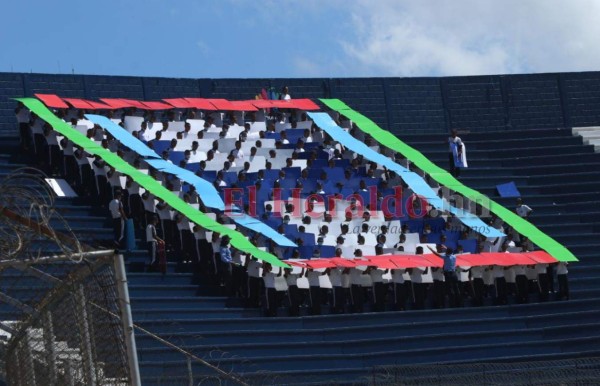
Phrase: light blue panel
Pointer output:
(262, 228)
(413, 180)
(123, 136)
(210, 195)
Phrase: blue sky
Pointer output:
(239, 38)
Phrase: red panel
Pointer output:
(497, 258)
(412, 261)
(157, 106)
(98, 105)
(300, 104)
(180, 103)
(222, 104)
(77, 103)
(305, 104)
(541, 257)
(116, 103)
(136, 104)
(52, 100)
(402, 261)
(283, 104)
(320, 263)
(297, 263)
(201, 103)
(341, 262)
(244, 106)
(261, 103)
(466, 261)
(382, 263)
(520, 259)
(433, 260)
(500, 258)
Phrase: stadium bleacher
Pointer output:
(552, 169)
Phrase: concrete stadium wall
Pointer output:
(401, 105)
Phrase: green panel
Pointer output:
(522, 226)
(238, 240)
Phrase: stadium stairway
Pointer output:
(590, 135)
(555, 173)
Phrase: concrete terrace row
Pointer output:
(559, 187)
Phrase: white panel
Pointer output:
(133, 123)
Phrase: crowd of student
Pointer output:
(344, 289)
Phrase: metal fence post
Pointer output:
(49, 343)
(69, 372)
(85, 337)
(127, 320)
(17, 367)
(30, 360)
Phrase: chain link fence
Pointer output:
(74, 335)
(568, 372)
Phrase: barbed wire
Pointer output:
(28, 215)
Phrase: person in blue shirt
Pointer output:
(450, 277)
(226, 263)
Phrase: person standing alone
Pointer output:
(456, 155)
(118, 218)
(450, 276)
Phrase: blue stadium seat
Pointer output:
(160, 146)
(434, 238)
(306, 251)
(469, 245)
(327, 250)
(176, 157)
(307, 238)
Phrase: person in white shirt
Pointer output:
(563, 281)
(356, 289)
(36, 126)
(500, 282)
(293, 292)
(542, 277)
(400, 289)
(70, 168)
(118, 218)
(454, 141)
(379, 288)
(149, 206)
(53, 157)
(488, 281)
(522, 209)
(238, 153)
(270, 290)
(167, 225)
(306, 136)
(315, 290)
(419, 288)
(284, 140)
(339, 298)
(187, 241)
(532, 284)
(285, 94)
(522, 285)
(23, 117)
(253, 267)
(439, 300)
(511, 280)
(476, 276)
(152, 240)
